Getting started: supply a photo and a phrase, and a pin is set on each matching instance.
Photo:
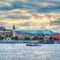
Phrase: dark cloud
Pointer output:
(27, 24)
(17, 4)
(18, 17)
(21, 5)
(57, 22)
(33, 5)
(6, 8)
(49, 9)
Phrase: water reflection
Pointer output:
(23, 52)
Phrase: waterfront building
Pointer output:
(47, 37)
(7, 34)
(56, 36)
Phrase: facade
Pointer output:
(47, 37)
(7, 33)
(56, 36)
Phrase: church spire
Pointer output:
(14, 31)
(13, 27)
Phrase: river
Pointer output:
(23, 52)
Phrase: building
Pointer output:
(7, 33)
(47, 37)
(56, 36)
(14, 30)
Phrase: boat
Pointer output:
(33, 44)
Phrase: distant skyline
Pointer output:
(30, 14)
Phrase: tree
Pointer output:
(55, 38)
(37, 38)
(1, 37)
(40, 38)
(26, 38)
(51, 38)
(14, 38)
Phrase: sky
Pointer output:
(30, 14)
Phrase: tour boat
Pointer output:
(33, 44)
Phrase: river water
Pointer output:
(23, 52)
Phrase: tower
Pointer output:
(14, 30)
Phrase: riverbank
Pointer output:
(25, 41)
(15, 41)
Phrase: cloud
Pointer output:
(18, 17)
(30, 14)
(15, 14)
(2, 23)
(35, 5)
(56, 22)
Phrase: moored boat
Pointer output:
(33, 44)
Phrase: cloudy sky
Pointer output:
(30, 14)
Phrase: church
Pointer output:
(7, 33)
